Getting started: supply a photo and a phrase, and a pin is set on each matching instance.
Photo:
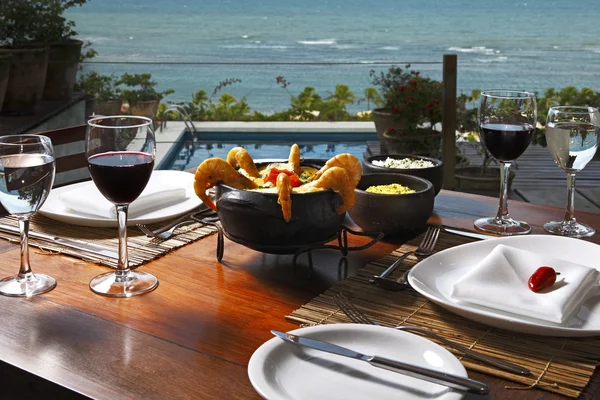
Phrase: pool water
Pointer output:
(191, 155)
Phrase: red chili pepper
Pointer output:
(542, 278)
(274, 173)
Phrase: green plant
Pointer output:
(412, 98)
(101, 86)
(39, 20)
(142, 88)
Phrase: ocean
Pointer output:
(189, 45)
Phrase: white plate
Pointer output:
(280, 370)
(54, 208)
(433, 278)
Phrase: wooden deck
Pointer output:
(539, 180)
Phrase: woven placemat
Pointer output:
(559, 365)
(141, 249)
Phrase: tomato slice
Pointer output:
(274, 173)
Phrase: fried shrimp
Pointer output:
(294, 160)
(213, 171)
(238, 157)
(338, 179)
(284, 190)
(346, 161)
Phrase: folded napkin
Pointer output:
(87, 199)
(500, 281)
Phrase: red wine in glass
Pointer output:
(121, 176)
(506, 142)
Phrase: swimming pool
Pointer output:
(188, 153)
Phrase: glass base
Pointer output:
(572, 229)
(116, 284)
(502, 226)
(30, 285)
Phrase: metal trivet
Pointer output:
(342, 238)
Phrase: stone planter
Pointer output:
(26, 79)
(108, 107)
(384, 120)
(4, 73)
(471, 178)
(146, 109)
(63, 59)
(427, 144)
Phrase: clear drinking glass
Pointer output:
(507, 121)
(572, 136)
(120, 152)
(27, 169)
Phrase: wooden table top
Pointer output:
(184, 340)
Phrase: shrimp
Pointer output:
(214, 170)
(294, 159)
(238, 157)
(346, 161)
(284, 190)
(339, 180)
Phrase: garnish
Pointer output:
(543, 278)
(274, 173)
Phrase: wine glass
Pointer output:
(507, 121)
(572, 136)
(27, 168)
(120, 152)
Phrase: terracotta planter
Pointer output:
(108, 107)
(425, 145)
(26, 79)
(146, 109)
(91, 105)
(471, 178)
(63, 59)
(384, 121)
(4, 73)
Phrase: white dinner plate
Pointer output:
(281, 370)
(433, 278)
(54, 208)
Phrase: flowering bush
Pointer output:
(412, 98)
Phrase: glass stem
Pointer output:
(503, 206)
(25, 269)
(570, 210)
(123, 264)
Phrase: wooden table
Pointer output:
(193, 336)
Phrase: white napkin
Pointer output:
(500, 281)
(159, 193)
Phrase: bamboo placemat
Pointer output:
(559, 365)
(141, 249)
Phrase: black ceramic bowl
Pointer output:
(433, 174)
(393, 214)
(254, 219)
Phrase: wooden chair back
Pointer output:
(69, 149)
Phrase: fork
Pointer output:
(165, 235)
(357, 316)
(426, 248)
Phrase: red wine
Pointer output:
(506, 142)
(121, 176)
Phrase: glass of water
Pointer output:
(27, 169)
(572, 136)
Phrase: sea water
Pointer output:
(189, 45)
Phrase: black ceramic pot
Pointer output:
(435, 174)
(393, 214)
(254, 219)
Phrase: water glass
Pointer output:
(121, 152)
(572, 136)
(27, 168)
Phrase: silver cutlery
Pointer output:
(73, 244)
(415, 371)
(357, 316)
(425, 249)
(168, 231)
(469, 234)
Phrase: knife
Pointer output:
(73, 244)
(415, 371)
(470, 234)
